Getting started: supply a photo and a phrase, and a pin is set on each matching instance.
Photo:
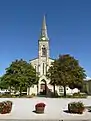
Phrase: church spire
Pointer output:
(44, 35)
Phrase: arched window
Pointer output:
(43, 51)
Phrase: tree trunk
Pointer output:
(20, 90)
(64, 91)
(54, 89)
(10, 89)
(37, 89)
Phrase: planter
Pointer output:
(5, 107)
(76, 107)
(39, 108)
(78, 111)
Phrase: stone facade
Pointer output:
(87, 86)
(42, 64)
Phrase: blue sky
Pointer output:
(69, 29)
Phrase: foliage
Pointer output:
(75, 95)
(5, 107)
(76, 107)
(79, 95)
(53, 75)
(40, 105)
(66, 71)
(19, 75)
(3, 84)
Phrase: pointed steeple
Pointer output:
(44, 35)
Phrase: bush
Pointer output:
(76, 107)
(79, 95)
(40, 105)
(8, 96)
(75, 95)
(67, 96)
(5, 107)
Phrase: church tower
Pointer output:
(42, 62)
(43, 50)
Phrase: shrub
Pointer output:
(75, 95)
(76, 107)
(5, 107)
(79, 95)
(40, 105)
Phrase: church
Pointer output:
(42, 64)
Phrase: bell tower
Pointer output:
(43, 50)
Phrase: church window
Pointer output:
(43, 68)
(43, 51)
(60, 89)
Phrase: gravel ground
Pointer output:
(23, 109)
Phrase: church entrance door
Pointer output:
(43, 87)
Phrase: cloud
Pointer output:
(88, 78)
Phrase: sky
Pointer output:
(68, 24)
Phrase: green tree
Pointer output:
(53, 75)
(3, 85)
(66, 71)
(20, 74)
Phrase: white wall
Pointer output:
(58, 88)
(33, 90)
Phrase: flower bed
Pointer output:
(39, 108)
(76, 107)
(5, 107)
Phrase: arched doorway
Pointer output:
(43, 87)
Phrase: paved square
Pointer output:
(23, 109)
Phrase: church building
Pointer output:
(42, 64)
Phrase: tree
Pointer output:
(20, 74)
(53, 75)
(3, 85)
(66, 71)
